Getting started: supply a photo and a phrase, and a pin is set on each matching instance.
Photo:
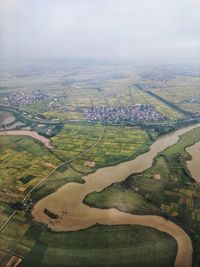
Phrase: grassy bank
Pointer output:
(119, 197)
(165, 187)
(125, 245)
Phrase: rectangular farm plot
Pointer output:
(23, 169)
(117, 142)
(161, 107)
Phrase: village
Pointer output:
(136, 112)
(25, 98)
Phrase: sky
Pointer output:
(133, 30)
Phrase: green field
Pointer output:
(28, 160)
(143, 98)
(118, 142)
(76, 138)
(122, 199)
(165, 188)
(102, 246)
(25, 161)
(177, 92)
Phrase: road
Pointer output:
(53, 171)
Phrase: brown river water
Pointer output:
(32, 134)
(67, 201)
(193, 165)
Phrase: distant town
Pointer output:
(118, 114)
(25, 98)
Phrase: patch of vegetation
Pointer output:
(119, 197)
(125, 245)
(118, 143)
(21, 160)
(166, 185)
(35, 256)
(51, 214)
(27, 179)
(55, 181)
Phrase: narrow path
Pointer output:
(53, 171)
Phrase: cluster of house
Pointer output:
(117, 114)
(25, 98)
(22, 205)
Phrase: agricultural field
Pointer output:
(25, 239)
(168, 171)
(182, 91)
(166, 186)
(24, 162)
(39, 107)
(121, 198)
(13, 239)
(74, 105)
(166, 189)
(75, 139)
(117, 143)
(106, 244)
(143, 97)
(69, 92)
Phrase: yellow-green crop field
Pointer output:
(117, 142)
(144, 98)
(24, 158)
(71, 109)
(180, 90)
(25, 161)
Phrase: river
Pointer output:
(32, 134)
(193, 165)
(67, 201)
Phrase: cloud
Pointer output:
(122, 29)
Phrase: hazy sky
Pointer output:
(145, 30)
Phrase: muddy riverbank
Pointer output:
(32, 134)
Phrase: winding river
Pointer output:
(67, 202)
